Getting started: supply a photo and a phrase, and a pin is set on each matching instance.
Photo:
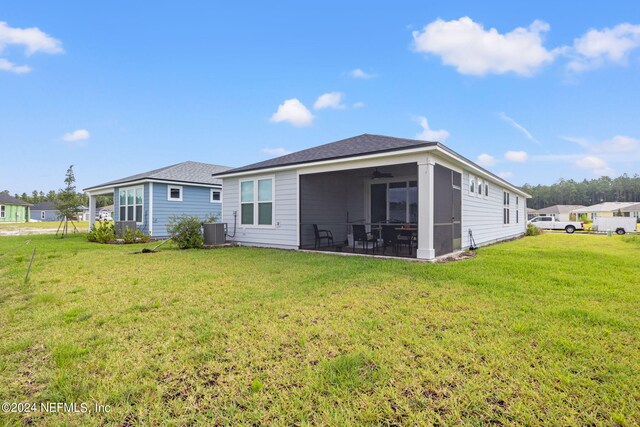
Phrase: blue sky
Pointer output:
(534, 92)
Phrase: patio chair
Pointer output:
(360, 235)
(389, 238)
(320, 235)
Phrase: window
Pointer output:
(517, 211)
(174, 193)
(472, 185)
(505, 210)
(131, 204)
(394, 201)
(256, 207)
(216, 196)
(486, 189)
(42, 215)
(3, 213)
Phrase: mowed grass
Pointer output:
(542, 330)
(82, 226)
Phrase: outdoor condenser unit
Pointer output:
(214, 233)
(121, 227)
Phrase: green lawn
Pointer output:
(543, 330)
(81, 225)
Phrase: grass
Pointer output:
(81, 225)
(543, 330)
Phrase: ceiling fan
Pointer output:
(377, 174)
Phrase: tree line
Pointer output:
(625, 188)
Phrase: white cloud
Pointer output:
(10, 66)
(618, 144)
(359, 74)
(294, 112)
(32, 39)
(486, 160)
(518, 127)
(597, 47)
(597, 166)
(329, 100)
(516, 156)
(429, 134)
(76, 136)
(276, 151)
(358, 104)
(505, 174)
(467, 46)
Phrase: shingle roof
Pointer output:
(632, 208)
(6, 199)
(605, 207)
(357, 145)
(44, 206)
(559, 209)
(185, 172)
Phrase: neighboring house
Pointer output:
(12, 209)
(633, 210)
(83, 214)
(371, 179)
(531, 213)
(607, 209)
(151, 198)
(45, 211)
(559, 212)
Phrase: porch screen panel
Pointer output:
(378, 202)
(398, 201)
(413, 201)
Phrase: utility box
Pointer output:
(121, 227)
(214, 233)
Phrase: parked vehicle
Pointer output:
(617, 224)
(550, 223)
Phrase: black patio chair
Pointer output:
(389, 238)
(320, 235)
(360, 235)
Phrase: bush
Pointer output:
(584, 218)
(532, 230)
(134, 236)
(102, 232)
(186, 231)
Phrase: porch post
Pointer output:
(425, 209)
(92, 210)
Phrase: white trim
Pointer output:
(334, 162)
(217, 190)
(107, 188)
(174, 187)
(255, 201)
(43, 214)
(150, 219)
(3, 211)
(299, 190)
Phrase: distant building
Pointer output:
(608, 209)
(12, 209)
(559, 212)
(45, 211)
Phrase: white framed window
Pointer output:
(472, 185)
(486, 189)
(256, 202)
(216, 196)
(3, 212)
(131, 204)
(480, 186)
(42, 215)
(174, 193)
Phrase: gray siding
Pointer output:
(196, 201)
(49, 215)
(484, 214)
(285, 232)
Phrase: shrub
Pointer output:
(584, 218)
(212, 219)
(133, 236)
(532, 230)
(186, 231)
(102, 232)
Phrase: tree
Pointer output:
(68, 202)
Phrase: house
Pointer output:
(12, 209)
(151, 198)
(371, 180)
(633, 211)
(45, 211)
(607, 209)
(559, 212)
(531, 213)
